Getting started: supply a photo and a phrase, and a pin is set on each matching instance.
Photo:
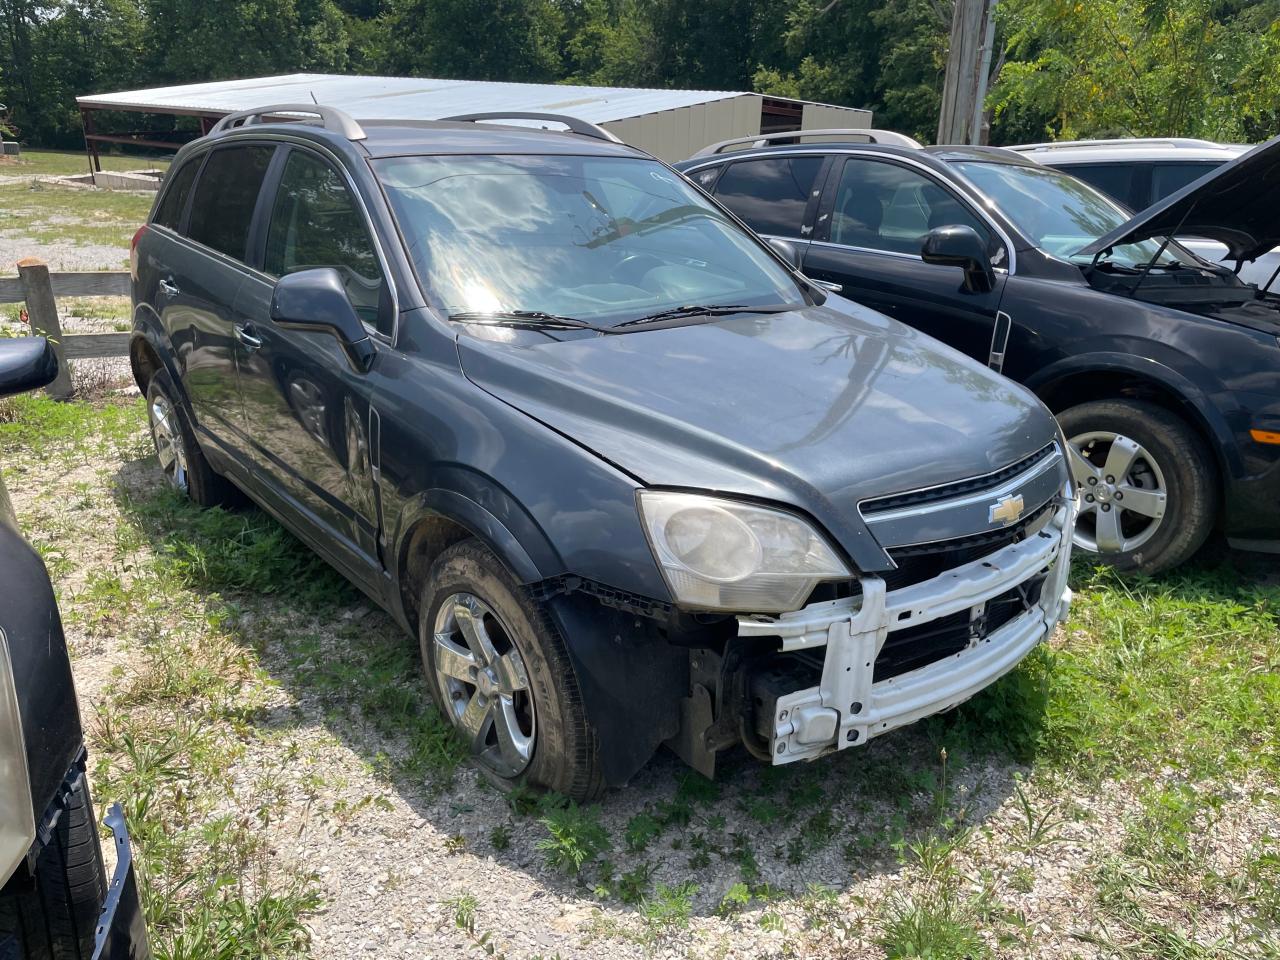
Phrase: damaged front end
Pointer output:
(954, 617)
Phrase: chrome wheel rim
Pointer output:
(485, 684)
(167, 436)
(1122, 492)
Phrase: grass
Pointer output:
(1150, 721)
(60, 163)
(48, 213)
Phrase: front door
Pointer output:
(872, 220)
(306, 408)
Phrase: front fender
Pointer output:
(1193, 395)
(462, 508)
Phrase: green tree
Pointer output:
(476, 39)
(1143, 67)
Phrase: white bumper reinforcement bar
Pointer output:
(847, 708)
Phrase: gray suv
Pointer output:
(628, 477)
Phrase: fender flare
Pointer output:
(147, 328)
(530, 563)
(1209, 416)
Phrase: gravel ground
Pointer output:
(393, 855)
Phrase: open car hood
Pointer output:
(1237, 204)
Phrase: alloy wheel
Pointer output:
(1122, 492)
(485, 684)
(167, 435)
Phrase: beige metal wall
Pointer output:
(677, 134)
(819, 116)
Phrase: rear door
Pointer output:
(200, 269)
(872, 219)
(306, 409)
(776, 196)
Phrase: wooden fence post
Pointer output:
(42, 310)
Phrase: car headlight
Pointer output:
(17, 823)
(723, 555)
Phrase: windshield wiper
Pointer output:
(707, 310)
(531, 319)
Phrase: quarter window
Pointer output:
(225, 197)
(770, 195)
(178, 188)
(884, 206)
(315, 223)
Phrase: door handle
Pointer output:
(247, 339)
(169, 288)
(830, 285)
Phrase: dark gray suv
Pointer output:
(628, 477)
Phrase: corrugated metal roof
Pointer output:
(418, 98)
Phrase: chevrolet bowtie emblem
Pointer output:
(1006, 510)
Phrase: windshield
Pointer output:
(599, 239)
(1061, 214)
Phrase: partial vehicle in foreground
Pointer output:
(56, 902)
(628, 477)
(1141, 171)
(1161, 366)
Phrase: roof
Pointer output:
(1137, 148)
(416, 98)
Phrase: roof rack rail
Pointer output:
(1117, 142)
(331, 118)
(886, 137)
(575, 125)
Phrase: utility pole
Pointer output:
(964, 90)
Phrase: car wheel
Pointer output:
(1147, 486)
(57, 917)
(501, 674)
(180, 457)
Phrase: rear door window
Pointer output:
(770, 195)
(225, 197)
(177, 189)
(1116, 180)
(315, 223)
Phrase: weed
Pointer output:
(575, 838)
(500, 837)
(642, 829)
(1035, 829)
(669, 907)
(736, 899)
(933, 924)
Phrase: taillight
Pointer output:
(133, 252)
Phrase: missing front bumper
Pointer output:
(849, 706)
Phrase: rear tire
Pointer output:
(1151, 455)
(181, 459)
(507, 686)
(57, 918)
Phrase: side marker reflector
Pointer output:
(1265, 436)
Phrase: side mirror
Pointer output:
(958, 246)
(786, 250)
(316, 300)
(26, 363)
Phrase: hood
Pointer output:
(1238, 204)
(818, 408)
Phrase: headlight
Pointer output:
(722, 555)
(17, 823)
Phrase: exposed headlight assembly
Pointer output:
(17, 823)
(724, 555)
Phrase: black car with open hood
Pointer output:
(1162, 367)
(56, 899)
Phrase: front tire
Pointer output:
(499, 670)
(1147, 486)
(57, 918)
